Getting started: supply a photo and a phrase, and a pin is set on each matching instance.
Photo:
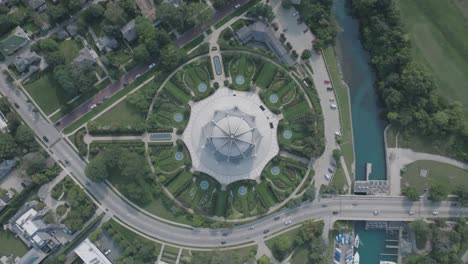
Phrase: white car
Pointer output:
(338, 134)
(327, 177)
(251, 227)
(332, 99)
(376, 212)
(93, 106)
(151, 66)
(333, 106)
(295, 14)
(107, 252)
(411, 213)
(435, 213)
(288, 222)
(237, 6)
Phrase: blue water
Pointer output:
(159, 137)
(217, 63)
(372, 245)
(368, 128)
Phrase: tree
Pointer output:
(170, 56)
(411, 193)
(25, 137)
(281, 246)
(306, 54)
(261, 10)
(263, 260)
(33, 162)
(309, 193)
(55, 58)
(115, 15)
(96, 169)
(7, 146)
(204, 17)
(336, 155)
(4, 105)
(286, 4)
(438, 192)
(462, 195)
(421, 229)
(141, 54)
(93, 13)
(63, 76)
(171, 15)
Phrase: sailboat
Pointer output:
(356, 258)
(356, 241)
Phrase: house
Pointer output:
(84, 55)
(106, 44)
(259, 33)
(72, 29)
(147, 9)
(28, 225)
(23, 62)
(128, 31)
(62, 34)
(6, 167)
(38, 5)
(15, 41)
(90, 254)
(5, 199)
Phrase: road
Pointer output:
(390, 208)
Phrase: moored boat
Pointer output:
(356, 258)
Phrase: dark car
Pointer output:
(223, 242)
(16, 105)
(46, 140)
(276, 218)
(67, 162)
(335, 212)
(225, 234)
(330, 170)
(266, 231)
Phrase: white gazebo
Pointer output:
(231, 136)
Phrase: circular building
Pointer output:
(231, 136)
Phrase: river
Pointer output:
(368, 127)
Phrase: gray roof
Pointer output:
(61, 34)
(22, 63)
(5, 167)
(107, 43)
(36, 4)
(84, 55)
(129, 31)
(72, 29)
(259, 32)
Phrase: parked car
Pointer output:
(330, 170)
(151, 66)
(335, 212)
(333, 106)
(285, 29)
(338, 133)
(107, 252)
(305, 30)
(288, 222)
(295, 14)
(276, 218)
(411, 213)
(329, 88)
(266, 231)
(46, 140)
(376, 212)
(93, 106)
(251, 227)
(326, 82)
(237, 6)
(327, 177)
(324, 205)
(223, 242)
(67, 162)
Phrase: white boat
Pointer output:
(356, 258)
(387, 262)
(356, 241)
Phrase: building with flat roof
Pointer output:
(259, 32)
(15, 41)
(90, 254)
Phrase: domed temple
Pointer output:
(231, 136)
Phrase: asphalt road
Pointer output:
(348, 207)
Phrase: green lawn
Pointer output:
(162, 117)
(46, 92)
(342, 96)
(9, 244)
(440, 173)
(163, 157)
(265, 74)
(200, 200)
(195, 75)
(242, 66)
(70, 49)
(291, 234)
(178, 93)
(339, 180)
(437, 29)
(121, 114)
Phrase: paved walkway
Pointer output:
(398, 158)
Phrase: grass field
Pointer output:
(195, 75)
(265, 74)
(437, 29)
(291, 235)
(245, 67)
(46, 92)
(121, 114)
(440, 173)
(177, 93)
(162, 117)
(9, 244)
(342, 96)
(70, 49)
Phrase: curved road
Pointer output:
(390, 208)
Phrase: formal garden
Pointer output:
(165, 166)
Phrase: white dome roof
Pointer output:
(232, 136)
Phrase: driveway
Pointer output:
(12, 181)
